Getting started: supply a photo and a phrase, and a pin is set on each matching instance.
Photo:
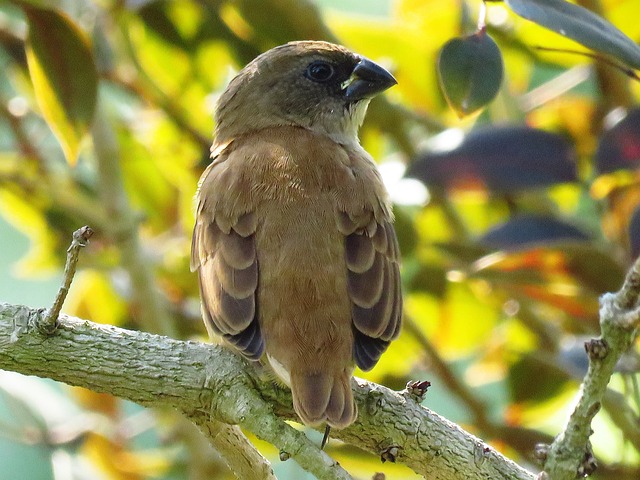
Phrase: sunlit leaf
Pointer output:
(454, 334)
(166, 65)
(103, 403)
(93, 296)
(147, 179)
(624, 15)
(63, 74)
(27, 216)
(593, 268)
(117, 459)
(470, 70)
(500, 159)
(581, 25)
(622, 194)
(572, 113)
(395, 363)
(619, 147)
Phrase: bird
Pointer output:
(294, 245)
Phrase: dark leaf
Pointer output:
(430, 279)
(581, 25)
(405, 231)
(464, 251)
(619, 147)
(44, 4)
(528, 230)
(594, 268)
(534, 378)
(634, 233)
(154, 16)
(64, 75)
(470, 70)
(501, 159)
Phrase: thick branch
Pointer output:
(197, 379)
(206, 381)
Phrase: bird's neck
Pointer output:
(341, 127)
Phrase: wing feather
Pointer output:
(365, 288)
(360, 253)
(373, 279)
(223, 252)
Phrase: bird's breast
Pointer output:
(299, 183)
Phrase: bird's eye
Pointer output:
(319, 71)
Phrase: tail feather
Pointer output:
(323, 397)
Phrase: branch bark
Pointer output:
(570, 453)
(210, 384)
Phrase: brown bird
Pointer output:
(294, 246)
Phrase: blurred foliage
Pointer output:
(523, 223)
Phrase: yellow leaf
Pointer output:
(64, 76)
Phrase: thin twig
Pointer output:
(629, 72)
(49, 322)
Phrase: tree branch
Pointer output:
(210, 384)
(242, 458)
(570, 453)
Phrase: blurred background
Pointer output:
(512, 221)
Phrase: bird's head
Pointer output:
(315, 85)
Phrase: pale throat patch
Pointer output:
(346, 132)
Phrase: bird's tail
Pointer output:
(324, 397)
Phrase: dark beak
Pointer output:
(368, 79)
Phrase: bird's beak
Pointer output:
(367, 80)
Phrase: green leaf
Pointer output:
(551, 378)
(470, 70)
(64, 75)
(46, 4)
(581, 25)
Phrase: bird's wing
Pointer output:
(223, 252)
(373, 282)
